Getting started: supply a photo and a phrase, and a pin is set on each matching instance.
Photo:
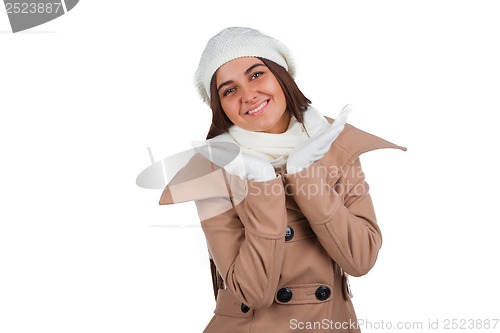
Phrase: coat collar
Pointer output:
(351, 143)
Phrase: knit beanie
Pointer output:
(237, 42)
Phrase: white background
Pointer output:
(83, 249)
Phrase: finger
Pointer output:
(343, 115)
(337, 127)
(237, 166)
(323, 129)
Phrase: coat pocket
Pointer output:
(228, 305)
(230, 315)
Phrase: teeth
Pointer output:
(257, 109)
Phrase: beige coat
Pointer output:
(285, 250)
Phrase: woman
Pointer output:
(291, 216)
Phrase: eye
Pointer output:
(256, 75)
(228, 91)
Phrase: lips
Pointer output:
(257, 109)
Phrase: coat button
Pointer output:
(289, 233)
(284, 295)
(322, 293)
(244, 308)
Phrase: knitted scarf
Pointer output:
(275, 148)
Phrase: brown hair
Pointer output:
(296, 102)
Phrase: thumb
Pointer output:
(343, 115)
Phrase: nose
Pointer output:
(249, 95)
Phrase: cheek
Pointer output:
(230, 109)
(274, 88)
(279, 94)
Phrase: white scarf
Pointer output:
(275, 148)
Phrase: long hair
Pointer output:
(296, 102)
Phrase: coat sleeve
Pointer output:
(247, 242)
(340, 213)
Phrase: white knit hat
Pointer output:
(237, 42)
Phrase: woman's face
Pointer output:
(251, 96)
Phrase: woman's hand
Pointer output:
(229, 156)
(314, 148)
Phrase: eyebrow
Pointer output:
(223, 84)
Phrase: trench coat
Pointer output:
(286, 249)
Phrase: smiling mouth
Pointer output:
(258, 108)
